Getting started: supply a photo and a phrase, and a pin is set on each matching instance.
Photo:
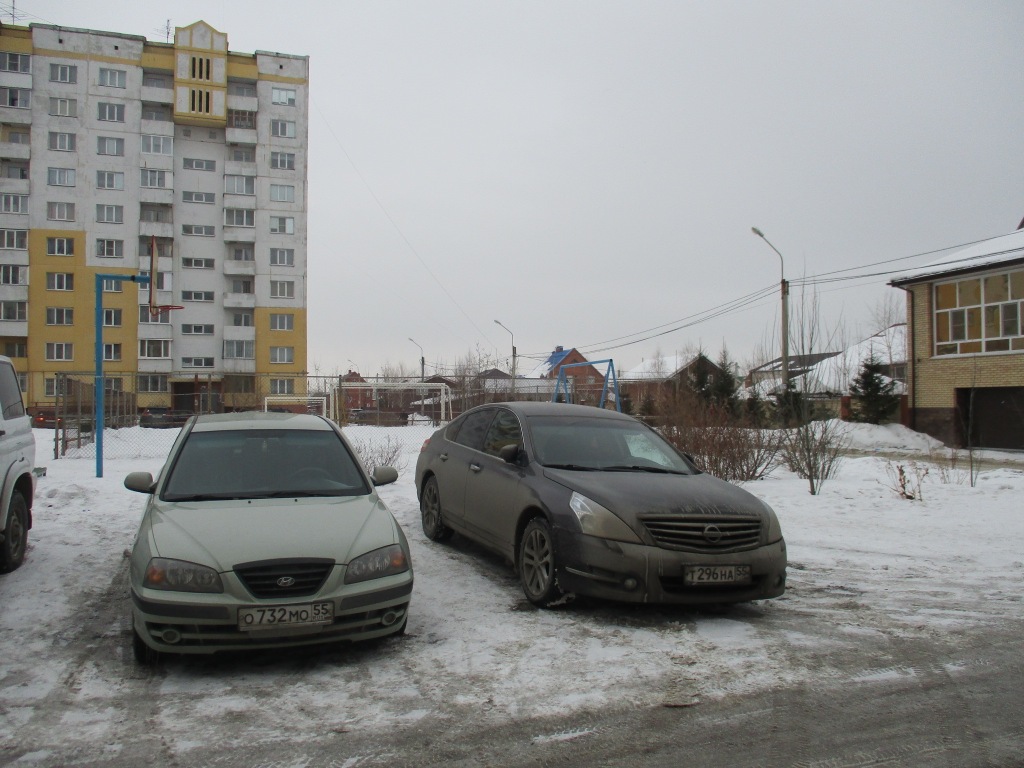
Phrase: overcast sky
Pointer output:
(588, 173)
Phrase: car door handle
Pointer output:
(443, 457)
(474, 467)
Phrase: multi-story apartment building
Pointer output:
(113, 148)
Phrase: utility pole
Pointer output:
(512, 395)
(785, 311)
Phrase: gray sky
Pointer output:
(588, 171)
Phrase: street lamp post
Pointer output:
(513, 390)
(423, 362)
(785, 311)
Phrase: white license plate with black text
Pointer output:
(285, 615)
(717, 574)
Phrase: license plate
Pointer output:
(717, 574)
(285, 615)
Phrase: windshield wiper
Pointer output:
(204, 497)
(637, 468)
(576, 467)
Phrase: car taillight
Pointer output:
(425, 444)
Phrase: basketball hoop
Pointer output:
(154, 308)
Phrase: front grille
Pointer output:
(263, 579)
(703, 533)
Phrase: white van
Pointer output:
(17, 462)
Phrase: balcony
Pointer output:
(243, 103)
(237, 365)
(158, 195)
(16, 186)
(157, 127)
(244, 268)
(239, 300)
(11, 151)
(158, 95)
(19, 116)
(239, 234)
(240, 135)
(156, 229)
(239, 333)
(155, 331)
(18, 328)
(235, 168)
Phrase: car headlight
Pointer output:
(774, 526)
(373, 565)
(596, 520)
(181, 576)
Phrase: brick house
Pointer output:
(965, 367)
(586, 382)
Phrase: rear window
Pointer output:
(10, 392)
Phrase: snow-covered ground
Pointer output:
(864, 563)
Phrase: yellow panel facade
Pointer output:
(200, 75)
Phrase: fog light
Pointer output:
(390, 618)
(170, 636)
(630, 584)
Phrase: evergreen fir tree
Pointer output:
(724, 386)
(873, 393)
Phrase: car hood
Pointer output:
(630, 494)
(224, 534)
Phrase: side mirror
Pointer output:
(384, 475)
(140, 481)
(509, 453)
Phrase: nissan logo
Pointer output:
(712, 534)
(287, 581)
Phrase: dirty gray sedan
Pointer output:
(592, 502)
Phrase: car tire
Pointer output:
(430, 513)
(143, 654)
(12, 548)
(538, 565)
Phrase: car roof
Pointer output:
(218, 422)
(532, 408)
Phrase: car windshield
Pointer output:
(601, 444)
(260, 464)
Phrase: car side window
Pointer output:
(473, 429)
(10, 392)
(505, 430)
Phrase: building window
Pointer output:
(239, 217)
(195, 164)
(241, 253)
(110, 214)
(282, 322)
(282, 386)
(110, 113)
(197, 362)
(21, 98)
(60, 316)
(14, 310)
(240, 185)
(163, 281)
(157, 145)
(242, 319)
(197, 295)
(16, 349)
(199, 230)
(60, 211)
(239, 350)
(112, 318)
(62, 142)
(152, 382)
(155, 213)
(13, 203)
(109, 180)
(284, 96)
(14, 239)
(156, 112)
(159, 349)
(243, 154)
(113, 78)
(239, 118)
(13, 274)
(15, 62)
(201, 69)
(60, 350)
(64, 107)
(194, 263)
(112, 286)
(148, 317)
(60, 246)
(163, 247)
(282, 193)
(282, 129)
(197, 330)
(60, 177)
(282, 354)
(236, 88)
(980, 314)
(282, 225)
(60, 281)
(111, 351)
(282, 289)
(284, 161)
(242, 285)
(154, 179)
(198, 197)
(107, 248)
(109, 145)
(19, 137)
(282, 257)
(63, 73)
